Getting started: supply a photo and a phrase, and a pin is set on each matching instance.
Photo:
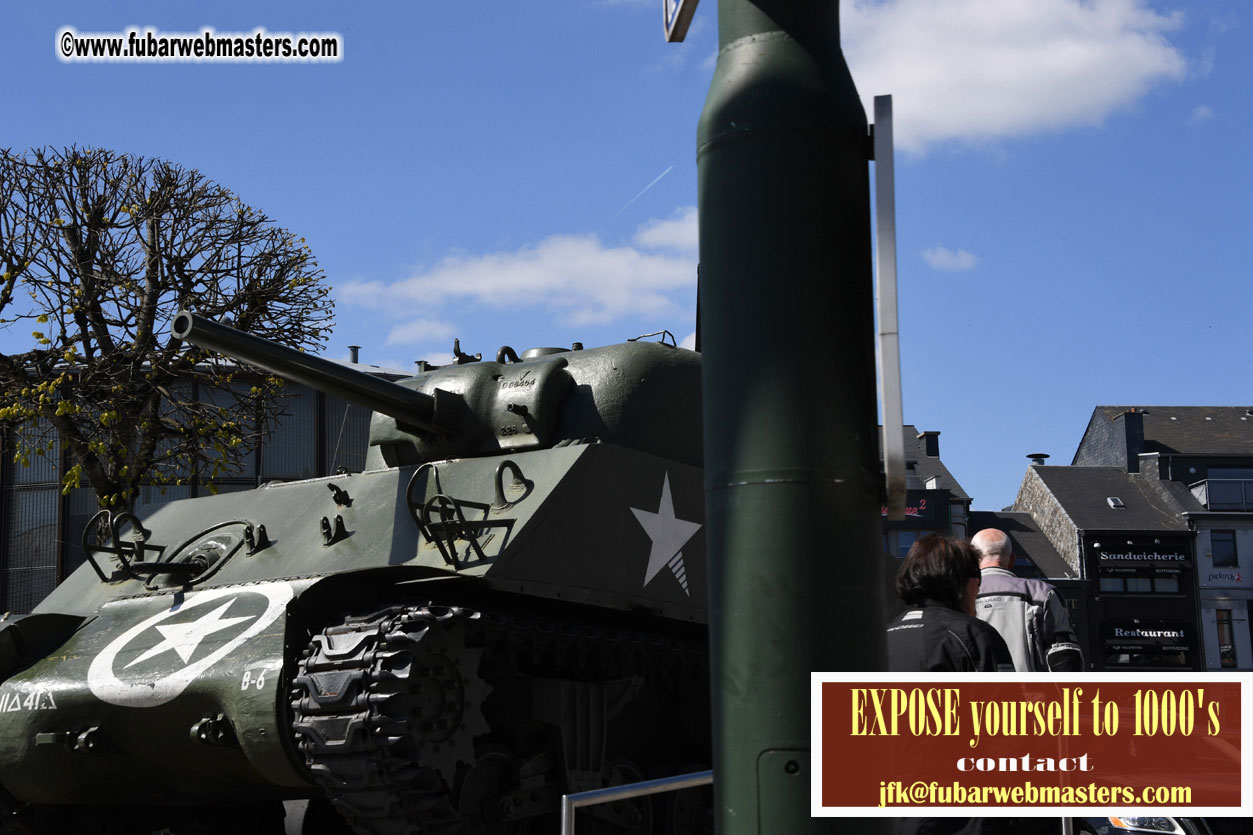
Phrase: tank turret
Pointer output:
(643, 395)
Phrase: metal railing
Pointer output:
(1224, 493)
(570, 802)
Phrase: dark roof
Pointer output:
(1084, 493)
(1192, 430)
(926, 466)
(1034, 555)
(1181, 495)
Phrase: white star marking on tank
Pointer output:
(183, 638)
(669, 534)
(269, 600)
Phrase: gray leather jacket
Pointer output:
(1032, 618)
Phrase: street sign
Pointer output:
(677, 16)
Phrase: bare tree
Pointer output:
(98, 251)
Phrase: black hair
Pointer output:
(936, 569)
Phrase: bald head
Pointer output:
(993, 548)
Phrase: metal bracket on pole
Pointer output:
(889, 353)
(676, 17)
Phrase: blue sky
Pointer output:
(1073, 183)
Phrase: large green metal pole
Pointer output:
(792, 475)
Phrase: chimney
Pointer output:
(354, 351)
(1038, 458)
(1133, 434)
(931, 440)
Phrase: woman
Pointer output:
(939, 581)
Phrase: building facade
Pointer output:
(935, 502)
(41, 526)
(1155, 512)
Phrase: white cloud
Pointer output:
(679, 232)
(361, 293)
(1202, 113)
(438, 359)
(979, 70)
(418, 331)
(1204, 66)
(942, 258)
(689, 341)
(576, 277)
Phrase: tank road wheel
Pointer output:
(486, 790)
(384, 708)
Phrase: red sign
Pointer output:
(992, 744)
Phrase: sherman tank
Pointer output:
(507, 605)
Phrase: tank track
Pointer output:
(384, 721)
(350, 714)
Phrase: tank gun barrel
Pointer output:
(407, 406)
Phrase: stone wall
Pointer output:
(1035, 498)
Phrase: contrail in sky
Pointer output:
(656, 180)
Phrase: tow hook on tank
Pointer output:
(340, 495)
(333, 532)
(256, 538)
(89, 741)
(215, 730)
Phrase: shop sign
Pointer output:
(1131, 551)
(1225, 578)
(926, 509)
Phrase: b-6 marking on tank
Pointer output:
(122, 675)
(669, 534)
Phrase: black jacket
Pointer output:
(934, 638)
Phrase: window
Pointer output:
(1230, 472)
(1166, 585)
(1160, 580)
(1223, 549)
(904, 541)
(1226, 638)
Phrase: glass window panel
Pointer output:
(174, 468)
(82, 505)
(1230, 472)
(39, 469)
(1166, 585)
(152, 496)
(32, 534)
(347, 435)
(290, 450)
(904, 541)
(1112, 584)
(1226, 638)
(25, 587)
(228, 487)
(221, 396)
(1223, 548)
(1226, 495)
(1139, 585)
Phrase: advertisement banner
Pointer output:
(989, 744)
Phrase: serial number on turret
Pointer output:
(41, 699)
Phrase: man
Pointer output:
(1030, 615)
